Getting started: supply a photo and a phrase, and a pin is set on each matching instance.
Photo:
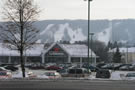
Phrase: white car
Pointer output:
(130, 76)
(50, 75)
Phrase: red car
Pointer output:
(53, 67)
(5, 75)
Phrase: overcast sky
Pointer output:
(77, 9)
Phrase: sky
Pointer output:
(78, 9)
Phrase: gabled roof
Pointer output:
(77, 50)
(51, 46)
(74, 50)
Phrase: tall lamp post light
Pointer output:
(88, 27)
(127, 53)
(91, 34)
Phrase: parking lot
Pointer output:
(53, 71)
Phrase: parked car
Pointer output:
(11, 67)
(63, 71)
(53, 67)
(3, 69)
(36, 67)
(78, 71)
(132, 68)
(125, 67)
(91, 67)
(100, 65)
(103, 73)
(50, 75)
(108, 66)
(117, 66)
(130, 76)
(5, 75)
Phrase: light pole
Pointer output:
(127, 53)
(91, 34)
(88, 27)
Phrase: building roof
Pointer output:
(35, 51)
(124, 49)
(77, 50)
(74, 50)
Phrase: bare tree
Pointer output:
(18, 31)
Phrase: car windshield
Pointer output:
(130, 75)
(50, 74)
(3, 73)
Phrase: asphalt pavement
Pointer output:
(66, 85)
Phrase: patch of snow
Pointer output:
(123, 41)
(105, 35)
(120, 75)
(129, 35)
(46, 29)
(60, 33)
(38, 41)
(17, 36)
(75, 35)
(124, 49)
(42, 76)
(18, 75)
(77, 50)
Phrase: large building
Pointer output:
(67, 53)
(49, 53)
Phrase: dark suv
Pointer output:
(102, 73)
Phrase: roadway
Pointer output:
(66, 85)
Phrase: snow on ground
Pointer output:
(18, 75)
(105, 35)
(118, 75)
(38, 73)
(60, 33)
(46, 29)
(115, 75)
(75, 35)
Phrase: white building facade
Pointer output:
(53, 53)
(68, 53)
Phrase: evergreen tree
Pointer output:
(115, 44)
(117, 56)
(110, 45)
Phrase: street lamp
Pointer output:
(88, 26)
(91, 34)
(127, 53)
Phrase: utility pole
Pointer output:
(88, 29)
(127, 54)
(91, 34)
